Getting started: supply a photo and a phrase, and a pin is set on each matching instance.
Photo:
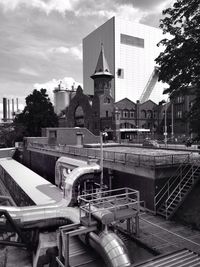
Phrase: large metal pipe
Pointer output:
(17, 103)
(4, 109)
(8, 109)
(111, 248)
(13, 108)
(107, 244)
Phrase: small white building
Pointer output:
(130, 49)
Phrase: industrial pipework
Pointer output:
(107, 244)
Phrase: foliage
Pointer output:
(9, 134)
(38, 113)
(179, 63)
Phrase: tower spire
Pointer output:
(102, 67)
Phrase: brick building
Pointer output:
(100, 113)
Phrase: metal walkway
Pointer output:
(183, 258)
(167, 236)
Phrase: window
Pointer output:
(149, 114)
(120, 73)
(106, 113)
(132, 113)
(107, 100)
(125, 114)
(143, 114)
(131, 40)
(191, 104)
(53, 134)
(180, 99)
(179, 114)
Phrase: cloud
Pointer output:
(28, 71)
(66, 82)
(130, 13)
(75, 51)
(41, 38)
(106, 8)
(60, 6)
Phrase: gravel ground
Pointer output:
(144, 151)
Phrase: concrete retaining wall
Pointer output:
(147, 180)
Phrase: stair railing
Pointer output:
(180, 187)
(165, 190)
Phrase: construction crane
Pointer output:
(149, 86)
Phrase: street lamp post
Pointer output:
(165, 130)
(172, 120)
(101, 160)
(172, 110)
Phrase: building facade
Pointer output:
(99, 112)
(130, 49)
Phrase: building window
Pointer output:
(131, 40)
(149, 114)
(143, 114)
(132, 114)
(180, 99)
(53, 134)
(120, 73)
(106, 113)
(125, 114)
(191, 104)
(179, 114)
(107, 100)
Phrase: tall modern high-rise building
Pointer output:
(130, 49)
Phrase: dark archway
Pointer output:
(80, 111)
(79, 117)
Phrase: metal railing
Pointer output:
(110, 200)
(116, 157)
(165, 191)
(187, 180)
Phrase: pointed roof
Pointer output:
(102, 67)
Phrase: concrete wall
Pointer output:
(17, 194)
(40, 140)
(42, 164)
(147, 180)
(68, 136)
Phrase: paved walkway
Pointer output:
(167, 236)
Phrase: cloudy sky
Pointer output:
(41, 40)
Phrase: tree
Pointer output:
(38, 113)
(179, 63)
